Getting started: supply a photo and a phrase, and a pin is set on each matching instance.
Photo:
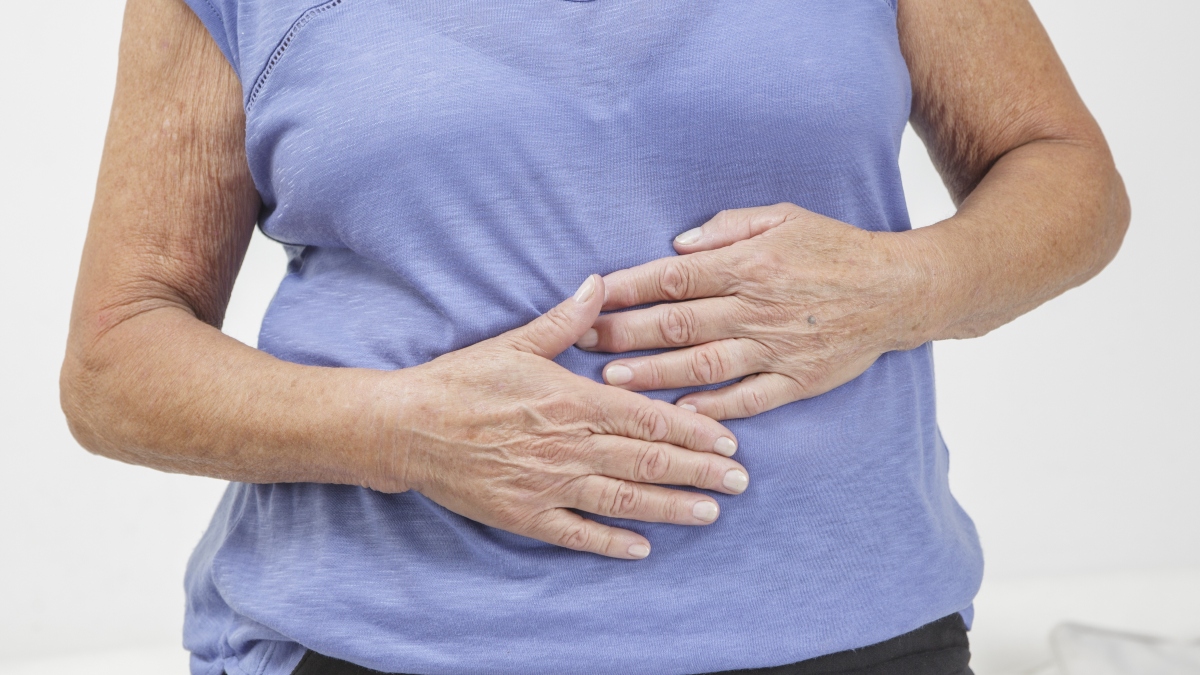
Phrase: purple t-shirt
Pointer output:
(442, 171)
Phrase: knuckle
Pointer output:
(767, 262)
(721, 218)
(784, 212)
(530, 482)
(651, 423)
(653, 464)
(676, 281)
(575, 536)
(515, 517)
(808, 379)
(555, 407)
(678, 326)
(767, 311)
(553, 322)
(800, 383)
(753, 401)
(553, 451)
(759, 356)
(709, 365)
(622, 499)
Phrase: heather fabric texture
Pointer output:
(442, 171)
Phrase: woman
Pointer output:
(438, 465)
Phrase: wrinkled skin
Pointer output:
(513, 440)
(793, 302)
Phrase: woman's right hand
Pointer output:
(496, 432)
(499, 433)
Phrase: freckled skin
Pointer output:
(497, 431)
(1041, 210)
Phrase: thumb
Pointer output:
(734, 225)
(551, 333)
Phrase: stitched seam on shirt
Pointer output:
(281, 49)
(217, 13)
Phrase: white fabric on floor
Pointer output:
(1083, 650)
(1015, 617)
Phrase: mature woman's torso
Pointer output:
(445, 171)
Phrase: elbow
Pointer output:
(81, 391)
(76, 395)
(1122, 212)
(97, 383)
(1112, 221)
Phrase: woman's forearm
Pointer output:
(1048, 216)
(797, 303)
(496, 432)
(148, 378)
(1042, 208)
(165, 390)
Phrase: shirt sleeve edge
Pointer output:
(212, 20)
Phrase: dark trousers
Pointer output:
(938, 648)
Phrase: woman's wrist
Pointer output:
(359, 428)
(391, 404)
(923, 266)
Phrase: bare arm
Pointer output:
(797, 303)
(1042, 207)
(496, 432)
(174, 211)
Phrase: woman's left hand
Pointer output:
(793, 302)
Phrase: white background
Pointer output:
(1073, 431)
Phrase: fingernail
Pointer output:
(588, 339)
(736, 481)
(618, 375)
(585, 291)
(688, 406)
(639, 550)
(706, 511)
(725, 446)
(690, 237)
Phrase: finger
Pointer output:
(733, 225)
(709, 363)
(666, 464)
(571, 530)
(752, 396)
(623, 413)
(673, 324)
(670, 279)
(551, 333)
(647, 503)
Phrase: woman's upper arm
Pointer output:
(175, 203)
(986, 80)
